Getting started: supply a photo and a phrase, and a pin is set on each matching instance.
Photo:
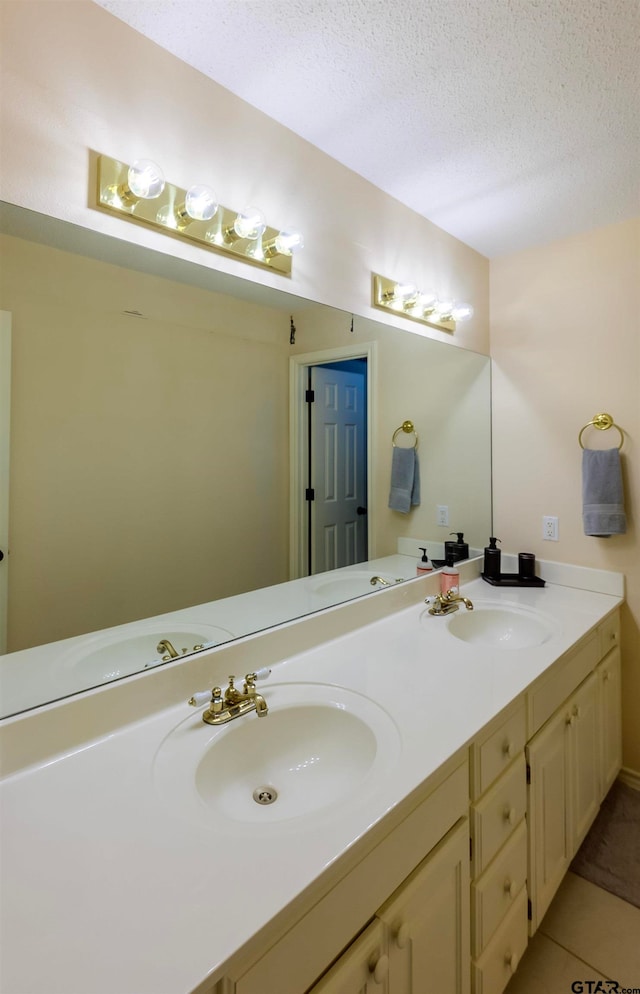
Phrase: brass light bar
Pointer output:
(166, 213)
(389, 295)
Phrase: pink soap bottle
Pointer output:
(449, 580)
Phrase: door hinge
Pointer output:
(309, 396)
(470, 849)
(309, 494)
(528, 773)
(529, 909)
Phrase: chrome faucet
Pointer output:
(447, 603)
(234, 703)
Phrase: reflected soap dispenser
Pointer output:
(492, 568)
(456, 551)
(424, 565)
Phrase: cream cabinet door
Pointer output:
(549, 846)
(427, 922)
(608, 673)
(584, 759)
(362, 969)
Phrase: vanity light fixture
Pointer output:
(140, 193)
(419, 305)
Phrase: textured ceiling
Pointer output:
(509, 123)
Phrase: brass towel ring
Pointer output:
(406, 426)
(603, 422)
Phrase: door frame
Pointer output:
(299, 446)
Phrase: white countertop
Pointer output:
(108, 889)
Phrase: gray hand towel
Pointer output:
(405, 480)
(602, 496)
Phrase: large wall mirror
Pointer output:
(150, 438)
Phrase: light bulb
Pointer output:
(289, 241)
(145, 179)
(461, 311)
(400, 293)
(426, 301)
(200, 202)
(443, 309)
(249, 223)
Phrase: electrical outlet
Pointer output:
(550, 528)
(442, 514)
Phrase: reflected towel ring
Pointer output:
(407, 427)
(602, 422)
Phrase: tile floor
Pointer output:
(586, 935)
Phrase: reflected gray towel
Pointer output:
(405, 480)
(602, 496)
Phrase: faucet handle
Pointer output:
(205, 697)
(260, 674)
(200, 698)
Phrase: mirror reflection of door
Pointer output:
(337, 471)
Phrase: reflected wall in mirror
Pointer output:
(150, 434)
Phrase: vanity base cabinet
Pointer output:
(549, 850)
(493, 970)
(564, 792)
(608, 673)
(362, 969)
(427, 922)
(419, 940)
(499, 931)
(572, 760)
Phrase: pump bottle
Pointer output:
(424, 565)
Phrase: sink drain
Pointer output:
(265, 795)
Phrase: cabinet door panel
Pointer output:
(549, 850)
(362, 969)
(428, 922)
(584, 759)
(611, 738)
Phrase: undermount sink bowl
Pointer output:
(353, 584)
(504, 627)
(318, 747)
(106, 657)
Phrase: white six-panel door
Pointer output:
(338, 468)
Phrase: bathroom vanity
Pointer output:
(440, 775)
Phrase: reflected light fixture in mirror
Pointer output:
(418, 305)
(141, 194)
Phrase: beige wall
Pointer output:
(565, 344)
(76, 79)
(149, 456)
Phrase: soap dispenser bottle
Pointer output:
(492, 568)
(456, 551)
(424, 565)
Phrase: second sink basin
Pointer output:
(318, 747)
(504, 627)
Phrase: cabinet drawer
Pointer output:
(609, 632)
(494, 969)
(563, 678)
(496, 890)
(492, 752)
(496, 814)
